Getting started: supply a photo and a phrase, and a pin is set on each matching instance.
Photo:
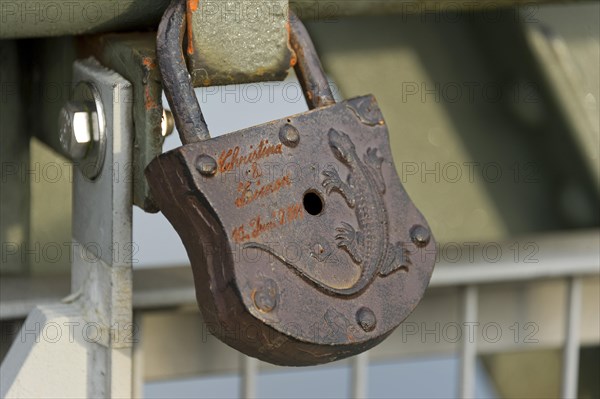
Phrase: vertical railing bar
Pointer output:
(469, 346)
(570, 369)
(248, 377)
(359, 379)
(137, 358)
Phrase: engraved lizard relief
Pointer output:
(363, 191)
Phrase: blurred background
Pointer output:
(494, 125)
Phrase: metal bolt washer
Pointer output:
(82, 127)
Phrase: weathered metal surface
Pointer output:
(237, 41)
(308, 66)
(26, 18)
(178, 85)
(176, 78)
(133, 56)
(304, 246)
(291, 265)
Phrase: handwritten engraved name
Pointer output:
(251, 191)
(232, 159)
(259, 225)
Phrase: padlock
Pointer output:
(304, 246)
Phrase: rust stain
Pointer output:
(192, 6)
(149, 99)
(293, 57)
(149, 63)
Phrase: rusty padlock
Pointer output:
(304, 246)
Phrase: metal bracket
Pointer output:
(133, 56)
(91, 332)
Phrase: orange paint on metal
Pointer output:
(192, 6)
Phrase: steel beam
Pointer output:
(24, 18)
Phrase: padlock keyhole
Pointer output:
(313, 203)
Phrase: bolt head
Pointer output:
(366, 319)
(75, 127)
(167, 123)
(289, 135)
(420, 235)
(206, 165)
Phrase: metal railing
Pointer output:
(573, 258)
(470, 276)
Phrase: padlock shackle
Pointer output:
(176, 79)
(308, 66)
(177, 82)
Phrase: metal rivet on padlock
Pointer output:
(420, 235)
(366, 318)
(308, 267)
(289, 135)
(265, 298)
(206, 165)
